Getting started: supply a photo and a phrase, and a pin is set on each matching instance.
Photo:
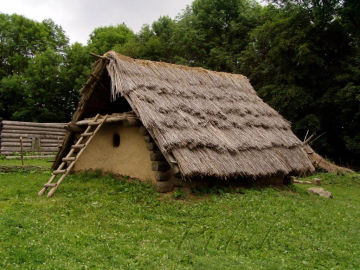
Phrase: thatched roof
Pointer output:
(208, 123)
(212, 123)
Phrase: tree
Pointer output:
(106, 38)
(21, 40)
(155, 42)
(76, 69)
(300, 60)
(212, 33)
(43, 98)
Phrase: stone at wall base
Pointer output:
(164, 186)
(320, 191)
(317, 181)
(178, 182)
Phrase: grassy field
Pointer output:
(44, 162)
(96, 222)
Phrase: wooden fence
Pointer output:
(38, 138)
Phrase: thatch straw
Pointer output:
(212, 123)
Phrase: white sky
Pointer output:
(79, 18)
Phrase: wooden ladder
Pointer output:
(76, 150)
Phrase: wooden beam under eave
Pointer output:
(111, 119)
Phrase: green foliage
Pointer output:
(30, 81)
(107, 38)
(222, 29)
(39, 88)
(209, 33)
(108, 223)
(304, 62)
(179, 194)
(11, 95)
(40, 75)
(76, 69)
(153, 43)
(22, 38)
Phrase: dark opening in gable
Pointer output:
(100, 101)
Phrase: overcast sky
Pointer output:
(79, 17)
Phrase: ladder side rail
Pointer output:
(53, 189)
(61, 166)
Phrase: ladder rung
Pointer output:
(68, 159)
(94, 123)
(49, 185)
(87, 134)
(79, 146)
(59, 172)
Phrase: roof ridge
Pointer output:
(145, 62)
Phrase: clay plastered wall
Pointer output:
(131, 158)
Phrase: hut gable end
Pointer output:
(211, 123)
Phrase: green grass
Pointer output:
(96, 222)
(44, 162)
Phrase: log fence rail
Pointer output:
(38, 138)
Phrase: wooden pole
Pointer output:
(98, 56)
(317, 138)
(22, 151)
(36, 125)
(308, 139)
(73, 127)
(307, 132)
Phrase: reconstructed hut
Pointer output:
(172, 124)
